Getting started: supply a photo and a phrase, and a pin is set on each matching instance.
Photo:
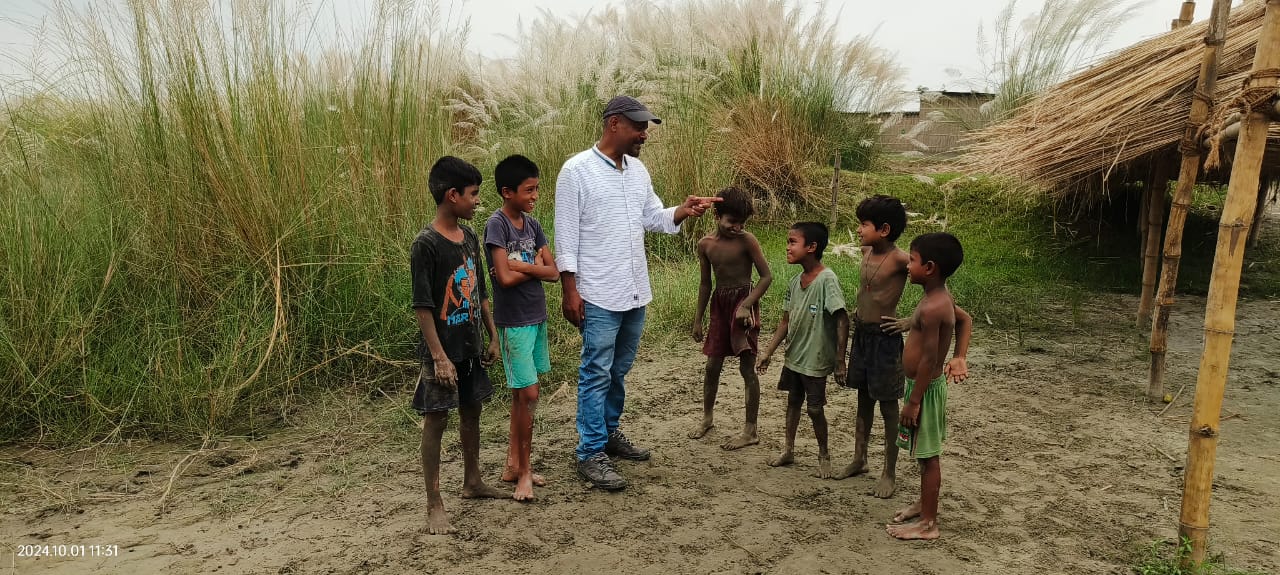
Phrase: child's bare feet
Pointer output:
(907, 513)
(701, 429)
(524, 489)
(438, 521)
(857, 467)
(885, 487)
(913, 530)
(509, 475)
(824, 467)
(784, 458)
(481, 491)
(740, 441)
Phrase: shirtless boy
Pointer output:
(922, 426)
(875, 356)
(730, 252)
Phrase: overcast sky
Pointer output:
(928, 36)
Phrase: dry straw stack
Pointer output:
(1113, 117)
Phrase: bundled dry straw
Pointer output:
(1114, 117)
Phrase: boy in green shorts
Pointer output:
(815, 325)
(518, 259)
(922, 425)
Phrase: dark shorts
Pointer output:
(725, 337)
(813, 388)
(474, 386)
(875, 363)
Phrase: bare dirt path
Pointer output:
(1053, 465)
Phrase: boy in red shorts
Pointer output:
(730, 252)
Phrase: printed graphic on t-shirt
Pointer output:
(457, 308)
(523, 249)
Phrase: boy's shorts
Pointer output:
(430, 396)
(726, 337)
(875, 363)
(525, 354)
(814, 388)
(925, 441)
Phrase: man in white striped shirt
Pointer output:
(604, 204)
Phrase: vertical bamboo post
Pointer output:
(1264, 192)
(835, 191)
(1151, 258)
(1185, 15)
(1224, 285)
(1201, 104)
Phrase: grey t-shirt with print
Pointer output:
(526, 303)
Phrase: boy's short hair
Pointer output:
(737, 203)
(513, 171)
(451, 173)
(880, 210)
(941, 248)
(813, 233)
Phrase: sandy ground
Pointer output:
(1053, 465)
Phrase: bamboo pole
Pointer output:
(1201, 105)
(1151, 258)
(835, 190)
(1224, 287)
(1185, 15)
(1264, 192)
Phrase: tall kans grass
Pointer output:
(207, 211)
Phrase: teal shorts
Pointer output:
(925, 441)
(524, 354)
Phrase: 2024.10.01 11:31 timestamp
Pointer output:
(74, 550)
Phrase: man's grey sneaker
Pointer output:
(599, 471)
(619, 446)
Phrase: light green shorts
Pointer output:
(524, 354)
(925, 441)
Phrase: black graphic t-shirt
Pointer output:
(447, 280)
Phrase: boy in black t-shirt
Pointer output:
(450, 300)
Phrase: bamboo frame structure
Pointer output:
(1159, 184)
(1224, 287)
(1201, 104)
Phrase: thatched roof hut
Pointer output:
(1108, 123)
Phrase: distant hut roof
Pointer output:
(1115, 116)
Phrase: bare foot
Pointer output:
(907, 513)
(856, 468)
(740, 441)
(885, 487)
(509, 475)
(481, 491)
(524, 489)
(701, 429)
(438, 521)
(824, 467)
(784, 458)
(913, 530)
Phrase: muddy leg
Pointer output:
(795, 403)
(888, 482)
(433, 425)
(710, 387)
(473, 486)
(746, 366)
(819, 418)
(861, 435)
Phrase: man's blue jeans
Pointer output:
(609, 343)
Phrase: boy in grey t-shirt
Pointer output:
(518, 258)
